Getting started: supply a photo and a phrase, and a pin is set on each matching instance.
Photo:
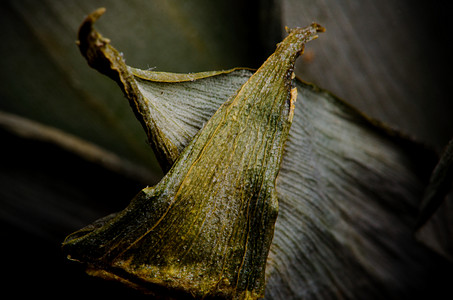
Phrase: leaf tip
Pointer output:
(96, 14)
(309, 32)
(87, 24)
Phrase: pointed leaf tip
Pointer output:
(309, 30)
(221, 188)
(87, 24)
(95, 15)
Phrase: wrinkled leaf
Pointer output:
(351, 190)
(205, 230)
(348, 188)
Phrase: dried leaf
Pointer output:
(58, 86)
(348, 187)
(205, 230)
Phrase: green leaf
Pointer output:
(348, 187)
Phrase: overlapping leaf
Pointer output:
(348, 188)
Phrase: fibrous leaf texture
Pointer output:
(346, 189)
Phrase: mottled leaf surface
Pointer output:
(346, 184)
(206, 229)
(348, 190)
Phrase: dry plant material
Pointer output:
(207, 227)
(347, 189)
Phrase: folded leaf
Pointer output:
(205, 230)
(159, 126)
(348, 188)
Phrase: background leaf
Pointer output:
(384, 58)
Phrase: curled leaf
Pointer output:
(205, 230)
(348, 188)
(154, 117)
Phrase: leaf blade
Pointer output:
(376, 167)
(220, 191)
